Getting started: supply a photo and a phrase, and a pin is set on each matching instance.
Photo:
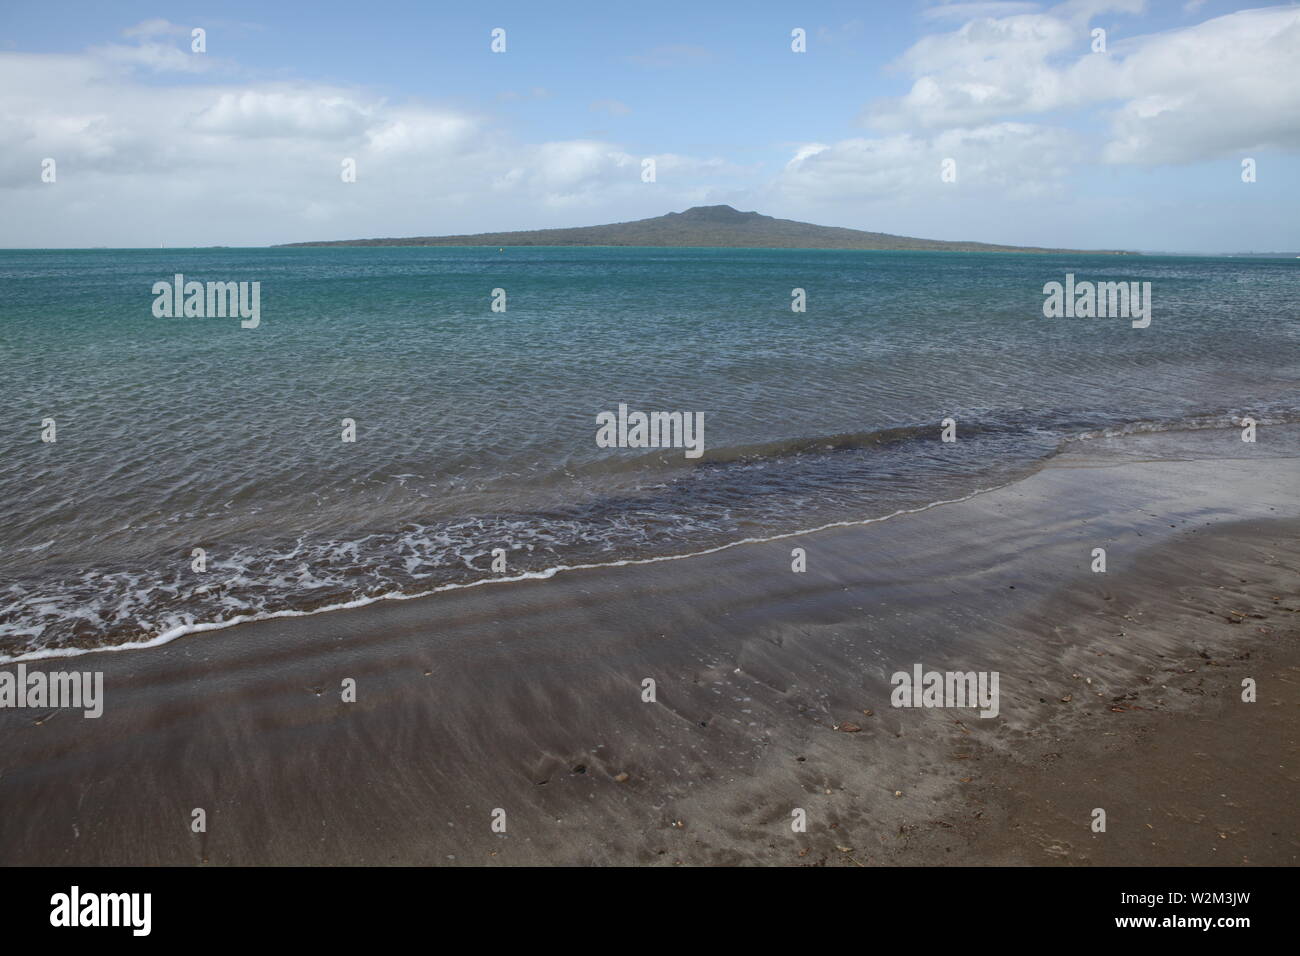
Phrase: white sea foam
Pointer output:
(171, 634)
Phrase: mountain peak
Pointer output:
(716, 214)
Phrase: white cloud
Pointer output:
(312, 114)
(806, 151)
(1008, 159)
(155, 145)
(1189, 94)
(249, 162)
(1209, 91)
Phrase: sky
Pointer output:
(1053, 142)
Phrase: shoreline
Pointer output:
(527, 698)
(175, 634)
(1073, 445)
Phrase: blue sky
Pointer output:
(1139, 146)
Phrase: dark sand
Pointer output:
(493, 697)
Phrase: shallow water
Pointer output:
(476, 429)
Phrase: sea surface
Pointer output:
(476, 430)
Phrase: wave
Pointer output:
(167, 637)
(782, 488)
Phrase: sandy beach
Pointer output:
(1119, 690)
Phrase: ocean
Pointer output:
(475, 429)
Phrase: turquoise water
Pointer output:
(476, 429)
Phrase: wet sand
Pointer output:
(1119, 690)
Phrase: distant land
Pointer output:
(716, 226)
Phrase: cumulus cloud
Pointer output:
(1190, 94)
(155, 144)
(291, 114)
(1209, 90)
(1006, 159)
(230, 161)
(1017, 98)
